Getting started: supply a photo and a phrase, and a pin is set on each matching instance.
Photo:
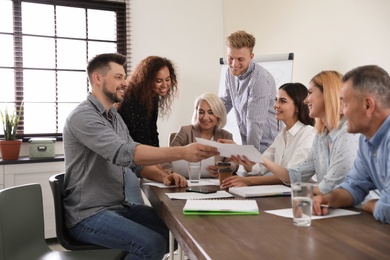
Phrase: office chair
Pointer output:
(22, 234)
(57, 187)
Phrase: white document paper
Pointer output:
(287, 213)
(227, 150)
(201, 182)
(195, 195)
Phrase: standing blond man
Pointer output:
(250, 90)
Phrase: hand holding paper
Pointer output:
(228, 150)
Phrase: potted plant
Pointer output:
(10, 147)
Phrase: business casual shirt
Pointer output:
(289, 149)
(372, 171)
(97, 146)
(331, 158)
(252, 95)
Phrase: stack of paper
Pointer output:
(221, 207)
(260, 191)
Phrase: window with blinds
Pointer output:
(45, 46)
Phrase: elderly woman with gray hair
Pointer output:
(207, 122)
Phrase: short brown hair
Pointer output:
(241, 39)
(371, 79)
(101, 63)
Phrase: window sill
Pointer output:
(23, 160)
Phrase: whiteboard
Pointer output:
(281, 68)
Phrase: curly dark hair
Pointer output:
(141, 83)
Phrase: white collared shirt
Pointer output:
(289, 148)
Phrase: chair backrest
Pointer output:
(21, 223)
(22, 229)
(57, 187)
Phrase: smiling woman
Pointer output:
(207, 122)
(152, 88)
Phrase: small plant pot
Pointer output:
(10, 149)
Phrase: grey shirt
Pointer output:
(97, 146)
(252, 95)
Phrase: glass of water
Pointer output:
(194, 171)
(302, 203)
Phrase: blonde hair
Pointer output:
(216, 105)
(329, 82)
(241, 39)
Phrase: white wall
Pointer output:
(331, 34)
(190, 33)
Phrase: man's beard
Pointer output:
(111, 95)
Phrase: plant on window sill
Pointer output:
(10, 122)
(10, 147)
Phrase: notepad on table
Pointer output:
(221, 207)
(260, 191)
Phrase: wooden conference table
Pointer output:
(267, 236)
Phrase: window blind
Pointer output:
(49, 53)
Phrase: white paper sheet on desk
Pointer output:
(193, 195)
(201, 182)
(227, 150)
(287, 213)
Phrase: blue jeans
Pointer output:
(132, 187)
(135, 229)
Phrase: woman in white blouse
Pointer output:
(290, 147)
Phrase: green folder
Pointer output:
(220, 207)
(216, 213)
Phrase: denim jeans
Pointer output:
(135, 229)
(132, 188)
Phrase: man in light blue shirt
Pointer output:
(250, 90)
(365, 96)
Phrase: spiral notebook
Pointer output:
(260, 191)
(221, 207)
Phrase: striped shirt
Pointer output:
(252, 95)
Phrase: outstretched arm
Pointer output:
(149, 155)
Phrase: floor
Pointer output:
(54, 245)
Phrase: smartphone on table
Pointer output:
(200, 189)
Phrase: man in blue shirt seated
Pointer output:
(365, 97)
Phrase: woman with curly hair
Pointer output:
(152, 89)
